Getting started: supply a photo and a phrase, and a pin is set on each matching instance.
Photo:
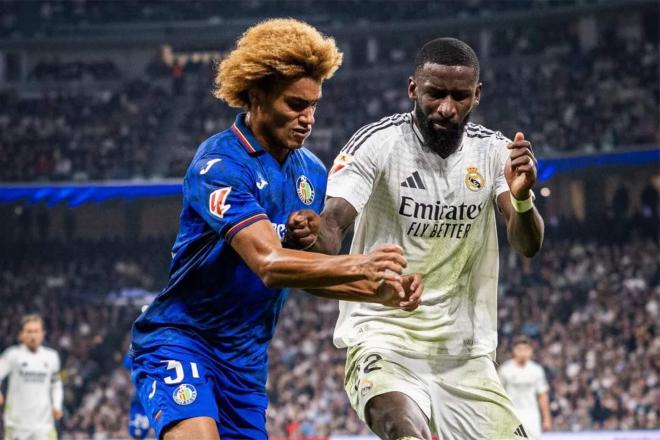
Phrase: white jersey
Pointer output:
(442, 212)
(34, 387)
(523, 385)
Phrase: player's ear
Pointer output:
(256, 97)
(412, 88)
(477, 94)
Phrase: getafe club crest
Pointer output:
(473, 180)
(185, 394)
(305, 190)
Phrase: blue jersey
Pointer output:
(212, 295)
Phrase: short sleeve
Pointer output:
(355, 170)
(500, 156)
(221, 190)
(5, 364)
(541, 382)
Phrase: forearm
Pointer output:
(544, 404)
(57, 395)
(525, 231)
(290, 268)
(359, 291)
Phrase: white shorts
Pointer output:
(24, 434)
(461, 397)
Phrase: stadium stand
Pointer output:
(590, 302)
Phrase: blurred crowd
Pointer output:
(565, 93)
(38, 17)
(81, 135)
(590, 302)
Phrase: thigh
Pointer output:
(374, 373)
(469, 402)
(174, 385)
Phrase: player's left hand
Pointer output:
(406, 294)
(302, 229)
(57, 415)
(520, 168)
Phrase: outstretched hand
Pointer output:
(520, 168)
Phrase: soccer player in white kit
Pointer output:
(524, 380)
(34, 394)
(432, 182)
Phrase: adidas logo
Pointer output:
(520, 432)
(413, 181)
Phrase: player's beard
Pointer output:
(443, 142)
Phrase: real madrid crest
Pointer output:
(305, 190)
(473, 180)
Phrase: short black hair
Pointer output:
(448, 52)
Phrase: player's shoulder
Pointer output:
(536, 367)
(387, 128)
(224, 145)
(311, 160)
(11, 351)
(479, 133)
(506, 364)
(221, 153)
(50, 352)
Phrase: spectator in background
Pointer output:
(524, 380)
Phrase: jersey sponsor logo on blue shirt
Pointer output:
(208, 166)
(217, 199)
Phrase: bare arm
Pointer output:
(262, 251)
(406, 294)
(544, 404)
(524, 229)
(337, 216)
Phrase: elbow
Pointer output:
(268, 275)
(529, 250)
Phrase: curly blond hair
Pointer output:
(279, 47)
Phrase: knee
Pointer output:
(392, 422)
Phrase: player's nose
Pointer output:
(447, 108)
(307, 117)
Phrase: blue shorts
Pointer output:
(138, 422)
(175, 383)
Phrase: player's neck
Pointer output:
(520, 363)
(31, 349)
(280, 154)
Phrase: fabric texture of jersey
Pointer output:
(442, 212)
(33, 374)
(212, 296)
(524, 384)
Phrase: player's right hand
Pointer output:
(302, 229)
(384, 263)
(406, 294)
(2, 399)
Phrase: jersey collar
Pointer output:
(245, 136)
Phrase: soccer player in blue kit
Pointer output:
(200, 349)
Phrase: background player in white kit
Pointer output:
(34, 394)
(432, 182)
(524, 381)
